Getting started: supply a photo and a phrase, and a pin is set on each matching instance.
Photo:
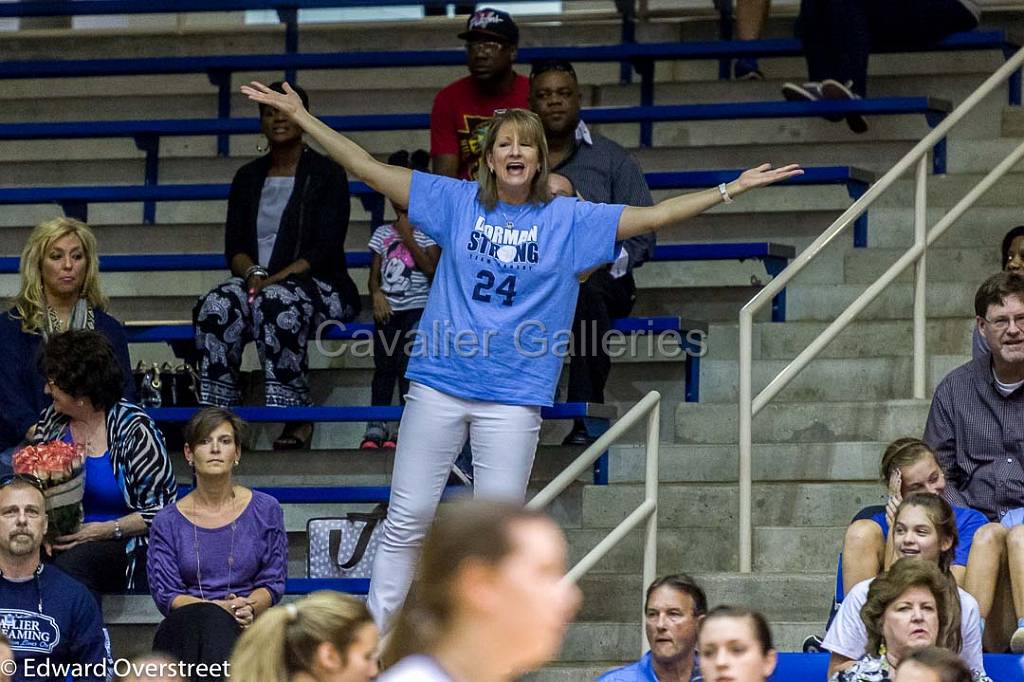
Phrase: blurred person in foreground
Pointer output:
(325, 637)
(489, 602)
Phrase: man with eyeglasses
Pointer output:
(51, 622)
(602, 172)
(458, 120)
(976, 422)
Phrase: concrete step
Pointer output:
(613, 599)
(983, 123)
(814, 302)
(352, 466)
(566, 509)
(1013, 122)
(868, 338)
(982, 227)
(776, 549)
(589, 648)
(780, 596)
(943, 264)
(944, 191)
(785, 462)
(823, 380)
(715, 505)
(779, 422)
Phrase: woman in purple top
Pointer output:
(217, 558)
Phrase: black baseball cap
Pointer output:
(491, 24)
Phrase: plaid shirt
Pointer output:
(978, 435)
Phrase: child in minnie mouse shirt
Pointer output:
(402, 266)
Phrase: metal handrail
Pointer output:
(750, 405)
(649, 406)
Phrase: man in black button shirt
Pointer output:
(601, 171)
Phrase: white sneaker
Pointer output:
(808, 92)
(1017, 641)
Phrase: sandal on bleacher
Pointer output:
(292, 438)
(370, 443)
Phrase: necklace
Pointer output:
(90, 435)
(231, 551)
(509, 223)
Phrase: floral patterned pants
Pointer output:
(280, 320)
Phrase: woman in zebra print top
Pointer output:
(129, 477)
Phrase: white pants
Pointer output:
(430, 437)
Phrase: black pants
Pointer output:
(197, 633)
(838, 35)
(102, 566)
(389, 357)
(390, 341)
(602, 298)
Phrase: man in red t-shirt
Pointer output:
(461, 109)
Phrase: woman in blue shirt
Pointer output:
(490, 344)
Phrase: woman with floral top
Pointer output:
(906, 609)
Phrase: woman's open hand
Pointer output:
(87, 532)
(289, 103)
(764, 174)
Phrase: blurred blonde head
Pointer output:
(31, 299)
(295, 638)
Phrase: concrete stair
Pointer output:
(816, 447)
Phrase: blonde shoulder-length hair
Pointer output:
(529, 129)
(31, 299)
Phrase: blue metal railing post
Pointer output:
(289, 16)
(1014, 94)
(150, 144)
(595, 427)
(645, 68)
(775, 265)
(694, 351)
(725, 32)
(222, 81)
(79, 210)
(939, 150)
(626, 7)
(860, 227)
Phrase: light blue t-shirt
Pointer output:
(643, 671)
(1014, 517)
(496, 326)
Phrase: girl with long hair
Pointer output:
(924, 529)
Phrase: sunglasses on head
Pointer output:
(542, 67)
(8, 479)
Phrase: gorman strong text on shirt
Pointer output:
(496, 325)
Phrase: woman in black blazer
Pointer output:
(284, 241)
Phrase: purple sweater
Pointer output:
(260, 551)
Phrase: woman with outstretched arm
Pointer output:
(494, 332)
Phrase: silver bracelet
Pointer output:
(724, 191)
(256, 270)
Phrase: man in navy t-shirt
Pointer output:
(52, 622)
